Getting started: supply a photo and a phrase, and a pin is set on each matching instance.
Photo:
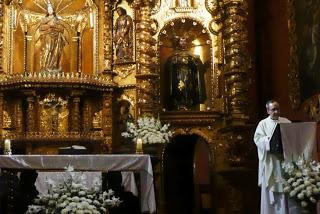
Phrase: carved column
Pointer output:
(107, 121)
(18, 117)
(30, 111)
(236, 58)
(75, 120)
(87, 118)
(147, 78)
(107, 40)
(1, 34)
(1, 113)
(76, 114)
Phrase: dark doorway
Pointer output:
(179, 184)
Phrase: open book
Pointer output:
(276, 146)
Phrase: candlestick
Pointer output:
(7, 147)
(139, 146)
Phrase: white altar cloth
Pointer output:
(137, 163)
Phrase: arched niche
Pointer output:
(23, 46)
(187, 175)
(198, 47)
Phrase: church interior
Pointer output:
(78, 72)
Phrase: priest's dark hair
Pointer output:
(269, 102)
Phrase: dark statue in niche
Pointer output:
(125, 116)
(186, 71)
(123, 37)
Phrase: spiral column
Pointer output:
(236, 59)
(147, 78)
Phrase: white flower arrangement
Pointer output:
(149, 130)
(71, 196)
(302, 181)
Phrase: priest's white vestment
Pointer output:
(272, 196)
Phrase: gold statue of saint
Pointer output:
(52, 41)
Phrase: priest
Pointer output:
(272, 195)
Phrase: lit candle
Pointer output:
(139, 146)
(7, 144)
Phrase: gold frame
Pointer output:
(311, 104)
(293, 75)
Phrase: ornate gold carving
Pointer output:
(64, 136)
(97, 120)
(124, 70)
(147, 96)
(193, 118)
(107, 37)
(238, 152)
(53, 114)
(51, 101)
(67, 79)
(128, 97)
(147, 80)
(87, 115)
(107, 120)
(183, 6)
(166, 14)
(30, 111)
(107, 145)
(18, 116)
(146, 60)
(76, 114)
(235, 38)
(193, 131)
(7, 122)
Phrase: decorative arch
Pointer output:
(193, 131)
(199, 45)
(202, 135)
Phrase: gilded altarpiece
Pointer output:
(108, 66)
(56, 80)
(214, 32)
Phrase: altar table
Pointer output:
(135, 163)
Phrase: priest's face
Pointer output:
(274, 110)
